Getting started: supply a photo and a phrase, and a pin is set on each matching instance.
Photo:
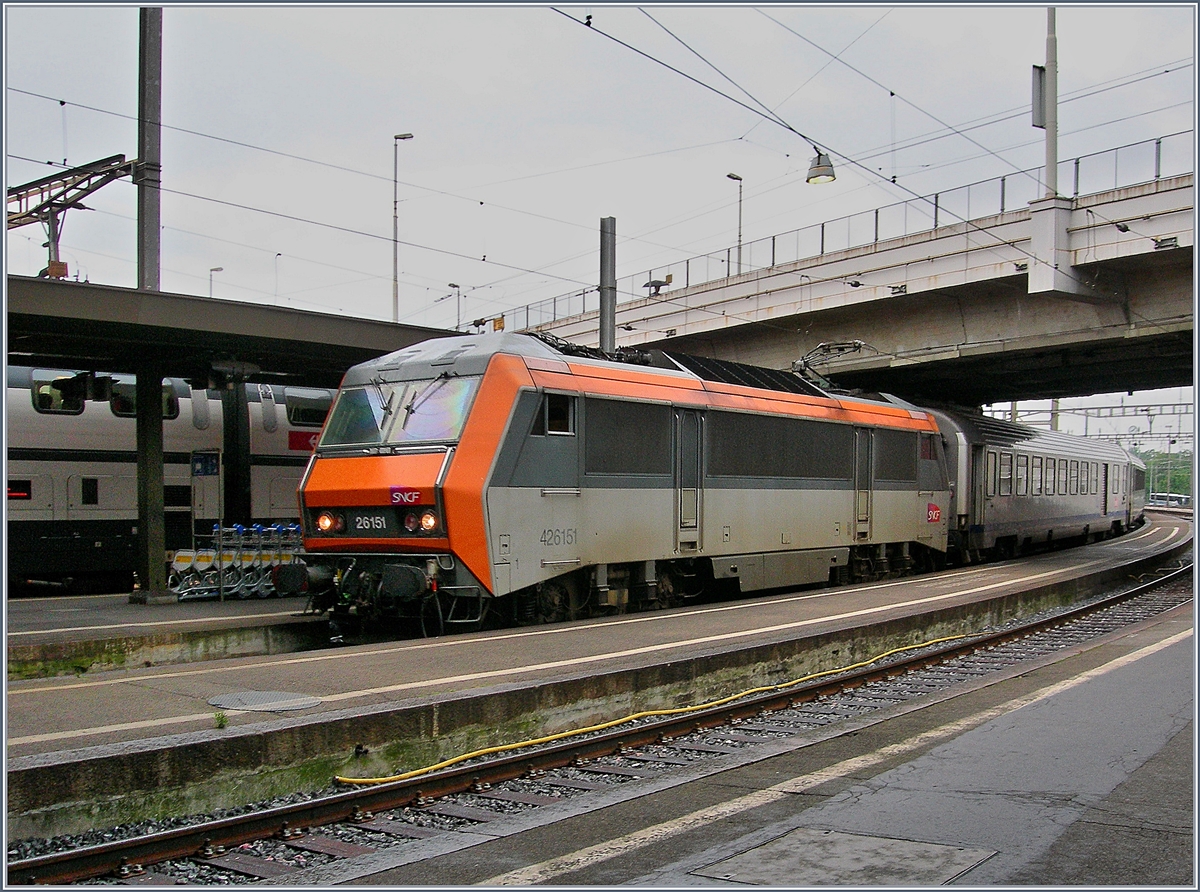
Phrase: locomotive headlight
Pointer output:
(411, 522)
(429, 522)
(328, 522)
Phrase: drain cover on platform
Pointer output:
(264, 701)
(828, 858)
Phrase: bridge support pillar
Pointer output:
(1050, 268)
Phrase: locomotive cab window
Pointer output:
(123, 401)
(555, 416)
(400, 412)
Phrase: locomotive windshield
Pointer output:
(432, 410)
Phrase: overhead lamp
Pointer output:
(821, 169)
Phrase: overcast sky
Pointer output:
(529, 127)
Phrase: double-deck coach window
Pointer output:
(124, 401)
(52, 394)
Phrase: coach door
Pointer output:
(687, 480)
(864, 448)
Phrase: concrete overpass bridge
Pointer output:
(1015, 297)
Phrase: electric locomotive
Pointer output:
(518, 474)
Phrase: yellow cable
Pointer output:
(492, 750)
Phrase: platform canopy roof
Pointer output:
(85, 327)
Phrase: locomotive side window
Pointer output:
(1035, 476)
(1050, 472)
(306, 408)
(51, 396)
(930, 469)
(991, 474)
(89, 491)
(1022, 475)
(124, 401)
(555, 416)
(1006, 474)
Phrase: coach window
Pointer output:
(52, 396)
(1035, 475)
(1095, 478)
(1074, 478)
(1006, 474)
(1062, 476)
(1022, 475)
(555, 416)
(124, 404)
(306, 408)
(1114, 474)
(1083, 478)
(991, 474)
(1050, 471)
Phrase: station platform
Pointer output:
(56, 635)
(164, 737)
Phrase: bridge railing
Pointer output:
(1129, 165)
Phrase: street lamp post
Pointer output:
(215, 269)
(396, 224)
(458, 305)
(734, 176)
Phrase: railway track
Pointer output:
(284, 840)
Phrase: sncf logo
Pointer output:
(402, 495)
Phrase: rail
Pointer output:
(1129, 165)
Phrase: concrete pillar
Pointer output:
(152, 532)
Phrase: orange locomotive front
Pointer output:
(392, 501)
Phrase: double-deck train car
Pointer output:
(72, 468)
(519, 473)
